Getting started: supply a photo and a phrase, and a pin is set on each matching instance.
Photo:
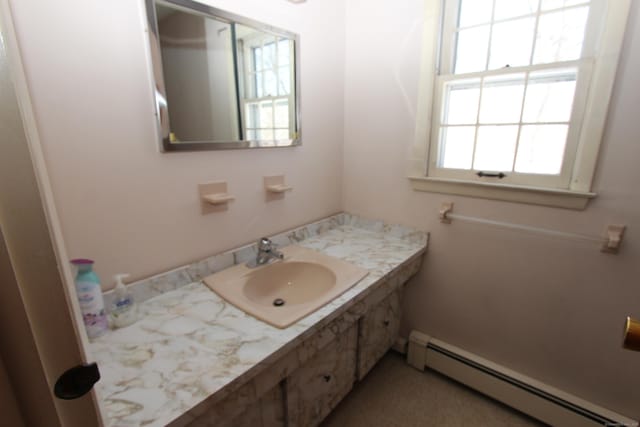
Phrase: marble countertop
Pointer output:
(190, 344)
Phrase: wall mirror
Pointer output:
(222, 81)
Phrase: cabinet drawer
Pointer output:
(318, 386)
(378, 331)
(242, 409)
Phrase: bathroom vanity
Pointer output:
(194, 359)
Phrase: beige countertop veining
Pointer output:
(190, 344)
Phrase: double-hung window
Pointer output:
(519, 91)
(268, 96)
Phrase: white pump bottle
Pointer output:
(123, 310)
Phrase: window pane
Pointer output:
(541, 149)
(284, 81)
(269, 55)
(502, 99)
(549, 96)
(257, 58)
(560, 35)
(471, 50)
(251, 135)
(511, 43)
(265, 134)
(457, 146)
(512, 8)
(461, 102)
(495, 148)
(282, 114)
(283, 53)
(252, 115)
(282, 134)
(556, 4)
(474, 12)
(258, 86)
(266, 115)
(270, 83)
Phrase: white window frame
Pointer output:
(597, 69)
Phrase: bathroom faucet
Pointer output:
(267, 252)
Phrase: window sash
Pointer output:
(251, 71)
(560, 181)
(449, 31)
(444, 74)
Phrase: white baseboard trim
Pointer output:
(525, 394)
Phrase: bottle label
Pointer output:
(125, 302)
(92, 308)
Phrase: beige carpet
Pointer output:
(396, 395)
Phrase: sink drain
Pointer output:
(278, 302)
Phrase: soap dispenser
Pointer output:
(123, 310)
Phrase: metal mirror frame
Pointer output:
(228, 17)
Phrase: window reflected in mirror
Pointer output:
(267, 76)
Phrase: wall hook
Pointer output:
(445, 209)
(615, 233)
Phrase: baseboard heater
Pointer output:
(527, 395)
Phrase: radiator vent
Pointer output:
(536, 399)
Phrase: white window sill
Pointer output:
(512, 193)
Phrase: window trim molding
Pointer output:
(567, 199)
(583, 169)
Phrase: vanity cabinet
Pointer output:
(378, 331)
(317, 386)
(250, 417)
(268, 411)
(302, 387)
(242, 409)
(272, 408)
(306, 385)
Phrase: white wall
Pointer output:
(549, 308)
(121, 201)
(196, 56)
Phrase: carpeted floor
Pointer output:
(394, 394)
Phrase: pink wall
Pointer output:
(550, 308)
(121, 201)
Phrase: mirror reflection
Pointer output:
(221, 83)
(266, 73)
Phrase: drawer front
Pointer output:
(272, 408)
(223, 412)
(267, 412)
(318, 386)
(378, 331)
(242, 409)
(250, 417)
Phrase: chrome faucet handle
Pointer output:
(265, 245)
(267, 253)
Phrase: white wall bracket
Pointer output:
(445, 209)
(615, 233)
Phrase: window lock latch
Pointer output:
(482, 174)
